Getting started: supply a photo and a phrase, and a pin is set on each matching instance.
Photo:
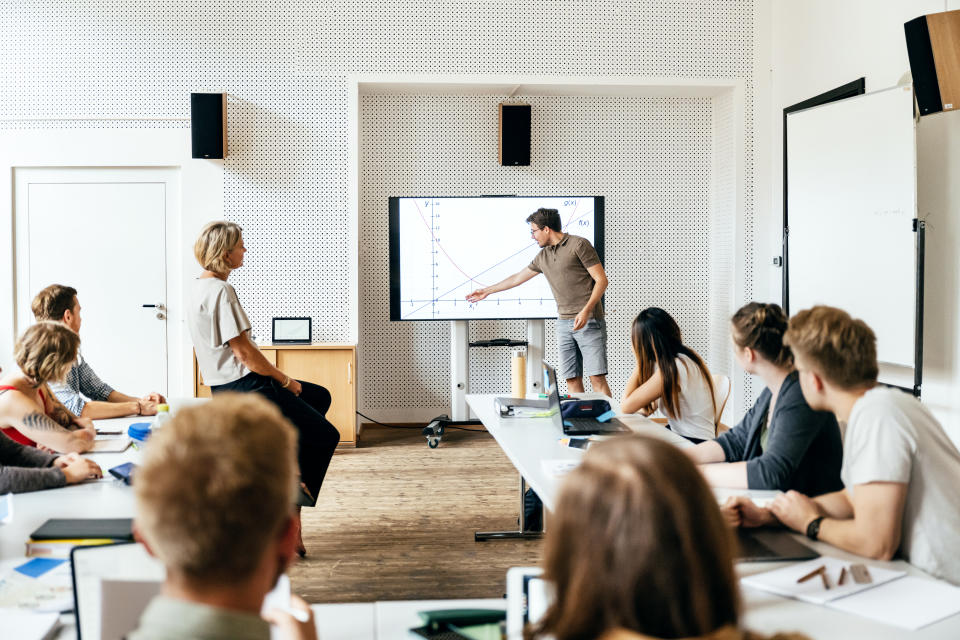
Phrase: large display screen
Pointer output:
(442, 248)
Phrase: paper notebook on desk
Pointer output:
(110, 445)
(784, 581)
(892, 597)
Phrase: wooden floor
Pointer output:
(395, 521)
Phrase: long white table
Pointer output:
(529, 441)
(106, 498)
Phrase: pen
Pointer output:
(819, 569)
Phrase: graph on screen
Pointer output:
(442, 248)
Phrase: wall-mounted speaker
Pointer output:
(208, 125)
(933, 46)
(514, 147)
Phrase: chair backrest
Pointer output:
(721, 389)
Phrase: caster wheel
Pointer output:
(433, 443)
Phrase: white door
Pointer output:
(103, 232)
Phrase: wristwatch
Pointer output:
(813, 529)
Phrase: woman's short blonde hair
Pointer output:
(217, 487)
(216, 240)
(46, 351)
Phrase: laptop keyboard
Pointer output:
(591, 424)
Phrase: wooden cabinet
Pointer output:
(333, 366)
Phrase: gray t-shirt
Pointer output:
(215, 317)
(892, 437)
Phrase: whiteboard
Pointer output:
(442, 248)
(851, 204)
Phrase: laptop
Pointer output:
(764, 545)
(112, 585)
(574, 426)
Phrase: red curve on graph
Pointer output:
(440, 246)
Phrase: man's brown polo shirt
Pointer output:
(565, 265)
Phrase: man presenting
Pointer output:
(577, 279)
(59, 304)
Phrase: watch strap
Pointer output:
(813, 529)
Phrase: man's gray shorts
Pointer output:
(582, 352)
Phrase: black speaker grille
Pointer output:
(922, 66)
(515, 135)
(206, 125)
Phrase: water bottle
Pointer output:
(162, 417)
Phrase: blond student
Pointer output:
(29, 413)
(658, 562)
(900, 470)
(214, 500)
(82, 391)
(670, 375)
(781, 443)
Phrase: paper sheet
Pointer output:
(48, 591)
(26, 625)
(557, 468)
(110, 445)
(784, 581)
(908, 603)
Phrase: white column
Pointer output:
(536, 335)
(459, 369)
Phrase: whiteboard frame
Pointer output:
(891, 374)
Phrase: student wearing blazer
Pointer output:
(781, 443)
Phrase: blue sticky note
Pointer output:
(39, 566)
(604, 417)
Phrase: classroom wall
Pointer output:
(286, 65)
(651, 158)
(817, 45)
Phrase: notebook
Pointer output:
(80, 528)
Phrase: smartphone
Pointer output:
(124, 472)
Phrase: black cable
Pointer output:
(406, 426)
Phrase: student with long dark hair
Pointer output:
(781, 443)
(637, 549)
(670, 375)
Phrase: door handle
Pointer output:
(159, 306)
(349, 373)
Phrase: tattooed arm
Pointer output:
(21, 413)
(61, 415)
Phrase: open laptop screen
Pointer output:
(114, 579)
(553, 395)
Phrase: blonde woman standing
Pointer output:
(230, 361)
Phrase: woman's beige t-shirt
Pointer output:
(214, 318)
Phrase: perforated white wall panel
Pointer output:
(651, 158)
(284, 64)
